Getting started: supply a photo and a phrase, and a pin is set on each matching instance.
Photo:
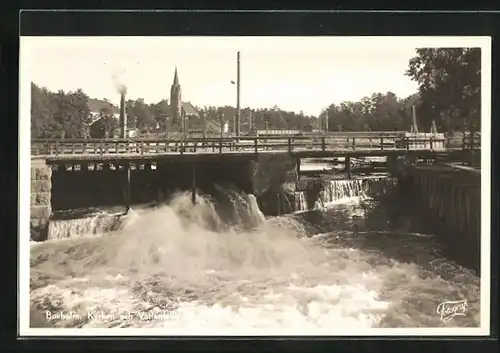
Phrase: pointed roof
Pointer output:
(95, 106)
(189, 109)
(176, 78)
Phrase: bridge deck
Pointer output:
(203, 148)
(204, 155)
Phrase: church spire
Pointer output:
(176, 78)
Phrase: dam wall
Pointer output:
(77, 186)
(447, 202)
(441, 200)
(88, 185)
(77, 189)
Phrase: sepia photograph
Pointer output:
(254, 186)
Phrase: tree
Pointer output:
(66, 114)
(108, 122)
(450, 87)
(70, 116)
(143, 115)
(42, 110)
(378, 112)
(160, 111)
(82, 117)
(131, 119)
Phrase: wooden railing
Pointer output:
(471, 141)
(247, 144)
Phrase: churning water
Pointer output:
(224, 266)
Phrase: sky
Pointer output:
(294, 73)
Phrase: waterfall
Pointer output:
(334, 190)
(93, 224)
(235, 209)
(300, 201)
(254, 212)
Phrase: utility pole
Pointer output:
(237, 125)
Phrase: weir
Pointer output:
(447, 201)
(447, 195)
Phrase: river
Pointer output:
(222, 267)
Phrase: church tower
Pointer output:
(176, 103)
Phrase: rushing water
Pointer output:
(223, 265)
(300, 201)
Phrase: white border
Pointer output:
(25, 185)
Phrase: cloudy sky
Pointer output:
(294, 73)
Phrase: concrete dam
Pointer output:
(450, 197)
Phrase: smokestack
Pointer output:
(123, 115)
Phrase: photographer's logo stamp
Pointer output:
(449, 309)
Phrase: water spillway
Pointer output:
(70, 223)
(221, 263)
(260, 249)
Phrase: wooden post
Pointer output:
(348, 166)
(298, 168)
(472, 146)
(127, 188)
(159, 182)
(278, 205)
(221, 117)
(193, 186)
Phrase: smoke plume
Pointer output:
(119, 82)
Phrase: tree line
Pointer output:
(449, 94)
(378, 112)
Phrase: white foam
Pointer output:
(174, 269)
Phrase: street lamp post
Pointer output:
(236, 122)
(238, 95)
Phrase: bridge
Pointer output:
(68, 174)
(331, 145)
